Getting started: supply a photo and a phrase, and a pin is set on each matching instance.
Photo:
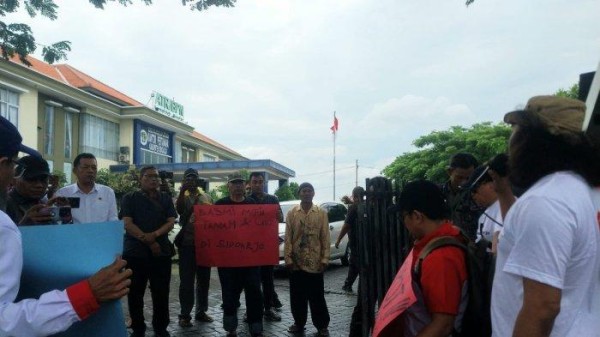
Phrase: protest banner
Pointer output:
(57, 256)
(236, 235)
(398, 298)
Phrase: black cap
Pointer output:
(305, 185)
(479, 175)
(32, 167)
(11, 140)
(190, 172)
(236, 176)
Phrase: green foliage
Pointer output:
(215, 194)
(17, 38)
(572, 92)
(62, 178)
(483, 140)
(288, 191)
(121, 183)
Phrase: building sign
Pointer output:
(168, 107)
(151, 139)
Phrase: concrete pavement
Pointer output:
(340, 306)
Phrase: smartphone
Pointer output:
(64, 213)
(52, 211)
(73, 202)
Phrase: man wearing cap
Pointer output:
(191, 194)
(97, 202)
(306, 252)
(57, 310)
(28, 196)
(547, 276)
(257, 187)
(235, 279)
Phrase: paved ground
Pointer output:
(340, 306)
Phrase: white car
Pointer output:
(336, 213)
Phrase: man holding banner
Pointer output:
(235, 279)
(56, 310)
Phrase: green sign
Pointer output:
(168, 107)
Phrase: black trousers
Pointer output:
(188, 273)
(353, 268)
(308, 289)
(157, 271)
(233, 281)
(268, 286)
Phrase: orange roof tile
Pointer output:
(205, 139)
(75, 78)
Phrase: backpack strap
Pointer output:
(434, 244)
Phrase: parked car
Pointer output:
(336, 213)
(172, 234)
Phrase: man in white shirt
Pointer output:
(548, 262)
(56, 310)
(97, 202)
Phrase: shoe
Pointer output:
(163, 333)
(276, 303)
(272, 316)
(347, 288)
(231, 333)
(258, 335)
(185, 322)
(323, 332)
(203, 317)
(296, 328)
(137, 334)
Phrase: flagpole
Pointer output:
(334, 136)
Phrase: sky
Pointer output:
(265, 77)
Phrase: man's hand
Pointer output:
(155, 248)
(33, 215)
(324, 266)
(111, 282)
(337, 244)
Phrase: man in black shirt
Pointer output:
(148, 215)
(257, 186)
(235, 279)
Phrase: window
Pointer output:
(68, 135)
(336, 212)
(68, 168)
(9, 105)
(208, 157)
(188, 154)
(149, 157)
(49, 130)
(99, 137)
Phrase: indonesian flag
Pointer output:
(334, 127)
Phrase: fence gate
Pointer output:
(383, 244)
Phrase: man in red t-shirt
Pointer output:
(443, 273)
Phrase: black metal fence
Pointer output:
(383, 244)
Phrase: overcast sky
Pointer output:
(265, 77)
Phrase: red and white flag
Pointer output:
(334, 127)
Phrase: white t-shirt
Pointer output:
(489, 222)
(48, 315)
(551, 236)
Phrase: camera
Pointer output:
(60, 214)
(165, 175)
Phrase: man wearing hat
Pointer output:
(28, 196)
(191, 194)
(235, 279)
(307, 249)
(547, 276)
(57, 310)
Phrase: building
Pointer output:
(63, 111)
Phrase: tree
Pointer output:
(17, 38)
(572, 92)
(483, 140)
(121, 183)
(288, 191)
